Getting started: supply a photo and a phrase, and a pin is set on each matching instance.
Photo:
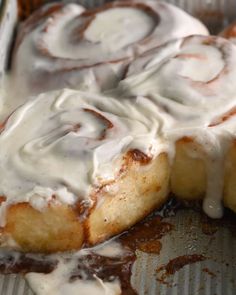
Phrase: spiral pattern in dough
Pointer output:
(66, 46)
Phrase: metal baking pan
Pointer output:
(213, 275)
(8, 18)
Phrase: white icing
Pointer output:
(60, 144)
(192, 82)
(56, 54)
(57, 282)
(123, 20)
(109, 249)
(39, 197)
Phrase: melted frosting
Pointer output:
(59, 281)
(192, 82)
(72, 48)
(71, 145)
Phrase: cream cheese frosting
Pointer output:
(70, 47)
(63, 143)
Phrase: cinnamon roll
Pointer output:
(67, 46)
(74, 165)
(191, 80)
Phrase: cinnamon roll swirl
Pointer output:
(67, 46)
(191, 80)
(73, 166)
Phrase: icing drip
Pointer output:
(58, 283)
(191, 81)
(65, 46)
(80, 271)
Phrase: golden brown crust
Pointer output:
(135, 195)
(140, 188)
(57, 228)
(188, 172)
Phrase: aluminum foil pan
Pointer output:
(216, 273)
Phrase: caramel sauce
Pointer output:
(177, 263)
(16, 262)
(106, 268)
(151, 247)
(174, 265)
(145, 236)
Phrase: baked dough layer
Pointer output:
(189, 172)
(138, 191)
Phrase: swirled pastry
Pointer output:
(73, 166)
(192, 81)
(67, 46)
